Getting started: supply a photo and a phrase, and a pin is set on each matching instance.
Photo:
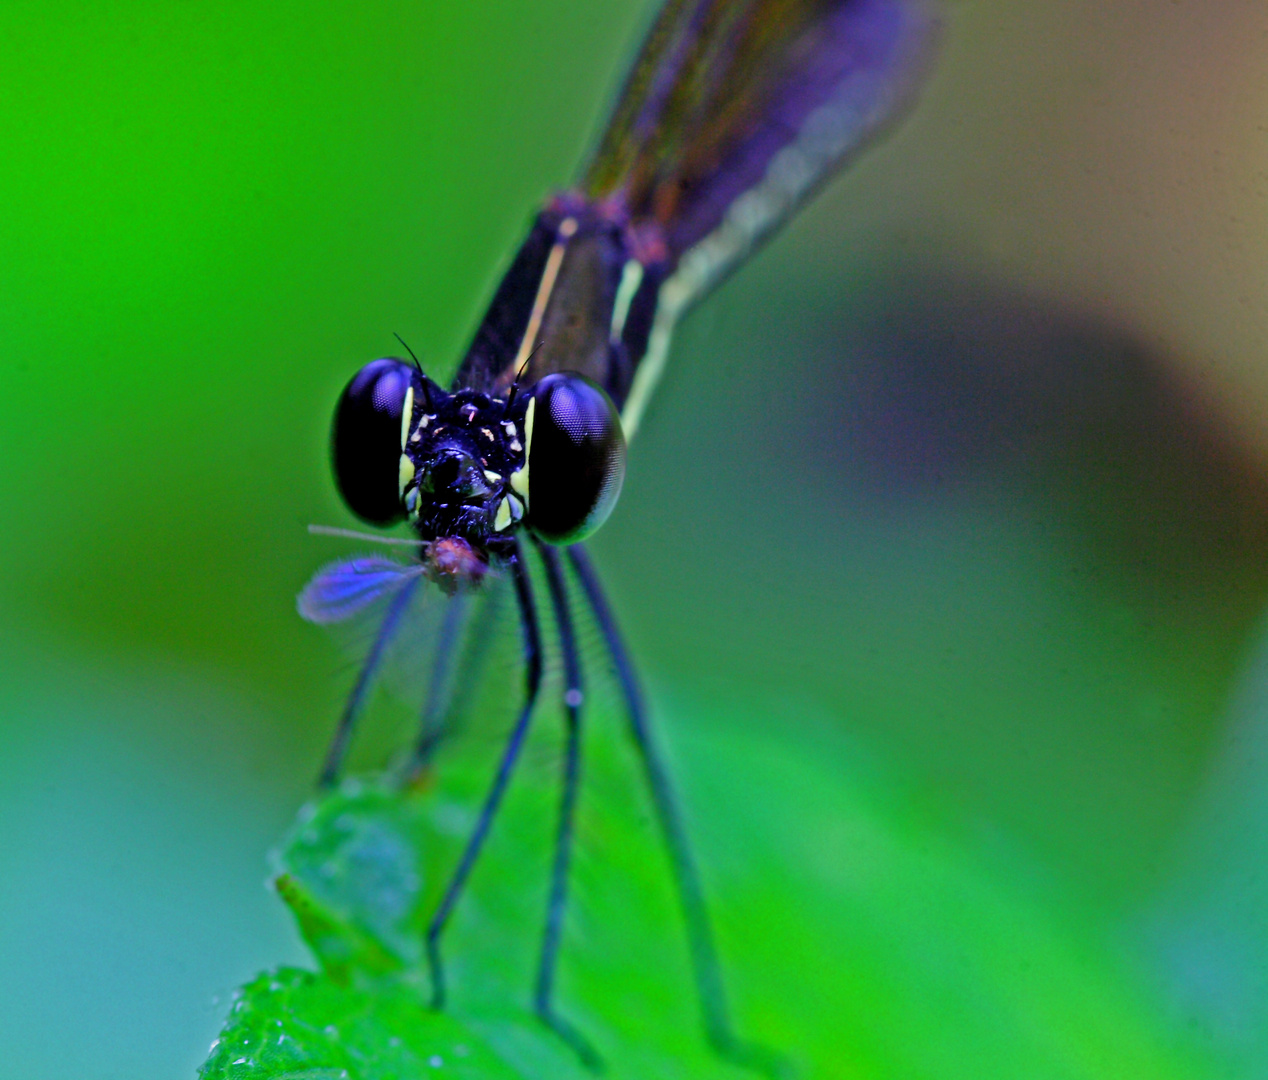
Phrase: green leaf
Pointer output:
(294, 1025)
(857, 937)
(350, 873)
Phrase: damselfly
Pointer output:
(732, 115)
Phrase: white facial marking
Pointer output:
(406, 472)
(492, 477)
(519, 478)
(503, 517)
(528, 421)
(407, 415)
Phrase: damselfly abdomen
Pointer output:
(732, 115)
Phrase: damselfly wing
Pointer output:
(733, 113)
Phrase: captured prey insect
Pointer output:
(732, 115)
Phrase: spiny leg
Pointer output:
(543, 1000)
(704, 954)
(339, 744)
(514, 743)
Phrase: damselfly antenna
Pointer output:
(408, 350)
(369, 538)
(419, 368)
(515, 383)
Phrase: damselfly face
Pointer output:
(467, 470)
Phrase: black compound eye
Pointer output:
(365, 440)
(576, 458)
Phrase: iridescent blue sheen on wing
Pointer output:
(343, 589)
(722, 86)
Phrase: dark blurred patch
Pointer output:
(931, 381)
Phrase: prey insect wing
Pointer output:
(342, 590)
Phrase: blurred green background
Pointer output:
(963, 480)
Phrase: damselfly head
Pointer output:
(468, 470)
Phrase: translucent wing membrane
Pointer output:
(344, 589)
(440, 657)
(722, 88)
(455, 658)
